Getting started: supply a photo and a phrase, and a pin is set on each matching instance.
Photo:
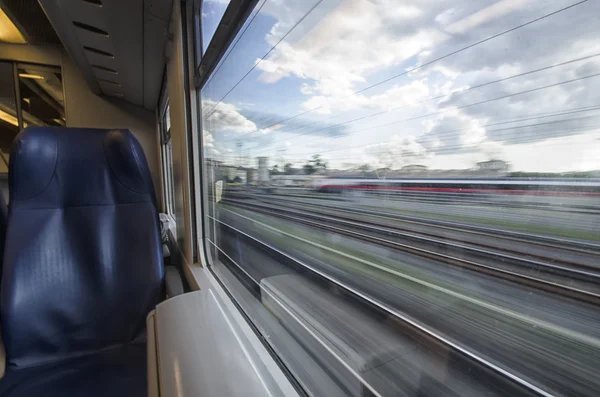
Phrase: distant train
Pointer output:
(513, 186)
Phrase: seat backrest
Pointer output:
(83, 260)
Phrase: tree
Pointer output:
(309, 169)
(288, 169)
(318, 163)
(275, 170)
(365, 168)
(314, 165)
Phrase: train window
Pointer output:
(41, 95)
(29, 95)
(167, 162)
(441, 235)
(9, 120)
(211, 13)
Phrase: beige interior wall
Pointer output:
(44, 55)
(85, 109)
(179, 137)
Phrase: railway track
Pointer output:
(575, 283)
(453, 198)
(587, 251)
(493, 373)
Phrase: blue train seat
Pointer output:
(82, 264)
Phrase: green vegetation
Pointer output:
(572, 174)
(505, 224)
(314, 165)
(344, 244)
(475, 308)
(523, 227)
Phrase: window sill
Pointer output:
(249, 349)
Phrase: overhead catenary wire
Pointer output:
(450, 149)
(447, 132)
(413, 118)
(446, 150)
(212, 110)
(423, 139)
(410, 70)
(237, 40)
(444, 133)
(456, 92)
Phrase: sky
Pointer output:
(389, 83)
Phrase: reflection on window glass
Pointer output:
(211, 13)
(9, 123)
(42, 100)
(404, 196)
(168, 121)
(167, 159)
(169, 164)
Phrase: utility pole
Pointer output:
(281, 158)
(239, 146)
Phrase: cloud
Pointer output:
(334, 55)
(225, 117)
(566, 34)
(531, 101)
(452, 132)
(397, 152)
(344, 47)
(208, 141)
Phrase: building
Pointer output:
(251, 176)
(229, 172)
(291, 180)
(263, 170)
(498, 167)
(413, 168)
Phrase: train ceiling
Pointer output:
(31, 21)
(118, 45)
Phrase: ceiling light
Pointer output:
(9, 33)
(9, 118)
(31, 76)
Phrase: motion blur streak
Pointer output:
(411, 192)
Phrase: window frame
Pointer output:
(233, 19)
(166, 159)
(278, 367)
(15, 65)
(201, 211)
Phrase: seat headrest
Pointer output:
(57, 167)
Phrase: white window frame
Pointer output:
(166, 154)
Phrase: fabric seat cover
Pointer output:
(82, 263)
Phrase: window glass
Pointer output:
(211, 13)
(404, 196)
(168, 121)
(41, 96)
(169, 163)
(167, 160)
